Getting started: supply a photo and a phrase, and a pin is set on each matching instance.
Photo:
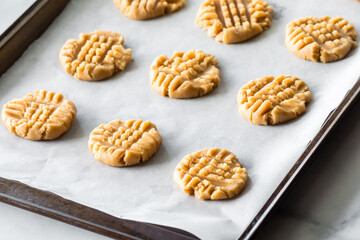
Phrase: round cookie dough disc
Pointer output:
(126, 143)
(96, 56)
(211, 173)
(146, 9)
(184, 75)
(232, 21)
(39, 116)
(272, 100)
(324, 39)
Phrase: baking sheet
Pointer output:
(147, 192)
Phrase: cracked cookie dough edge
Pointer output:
(129, 157)
(281, 118)
(133, 13)
(52, 134)
(192, 91)
(234, 34)
(313, 51)
(178, 178)
(102, 71)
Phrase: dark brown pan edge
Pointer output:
(56, 207)
(303, 162)
(26, 29)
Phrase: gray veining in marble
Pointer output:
(326, 201)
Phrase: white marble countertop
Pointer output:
(326, 201)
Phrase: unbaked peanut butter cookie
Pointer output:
(96, 56)
(184, 75)
(232, 21)
(211, 173)
(39, 116)
(272, 100)
(146, 9)
(324, 39)
(126, 143)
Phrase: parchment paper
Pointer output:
(147, 192)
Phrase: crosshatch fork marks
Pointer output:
(147, 9)
(231, 17)
(247, 14)
(271, 100)
(238, 11)
(231, 21)
(87, 51)
(144, 3)
(232, 13)
(324, 39)
(95, 56)
(219, 13)
(124, 143)
(39, 116)
(155, 4)
(211, 173)
(184, 75)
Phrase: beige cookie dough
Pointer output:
(146, 9)
(39, 116)
(211, 173)
(232, 21)
(120, 144)
(271, 100)
(95, 56)
(324, 39)
(184, 75)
